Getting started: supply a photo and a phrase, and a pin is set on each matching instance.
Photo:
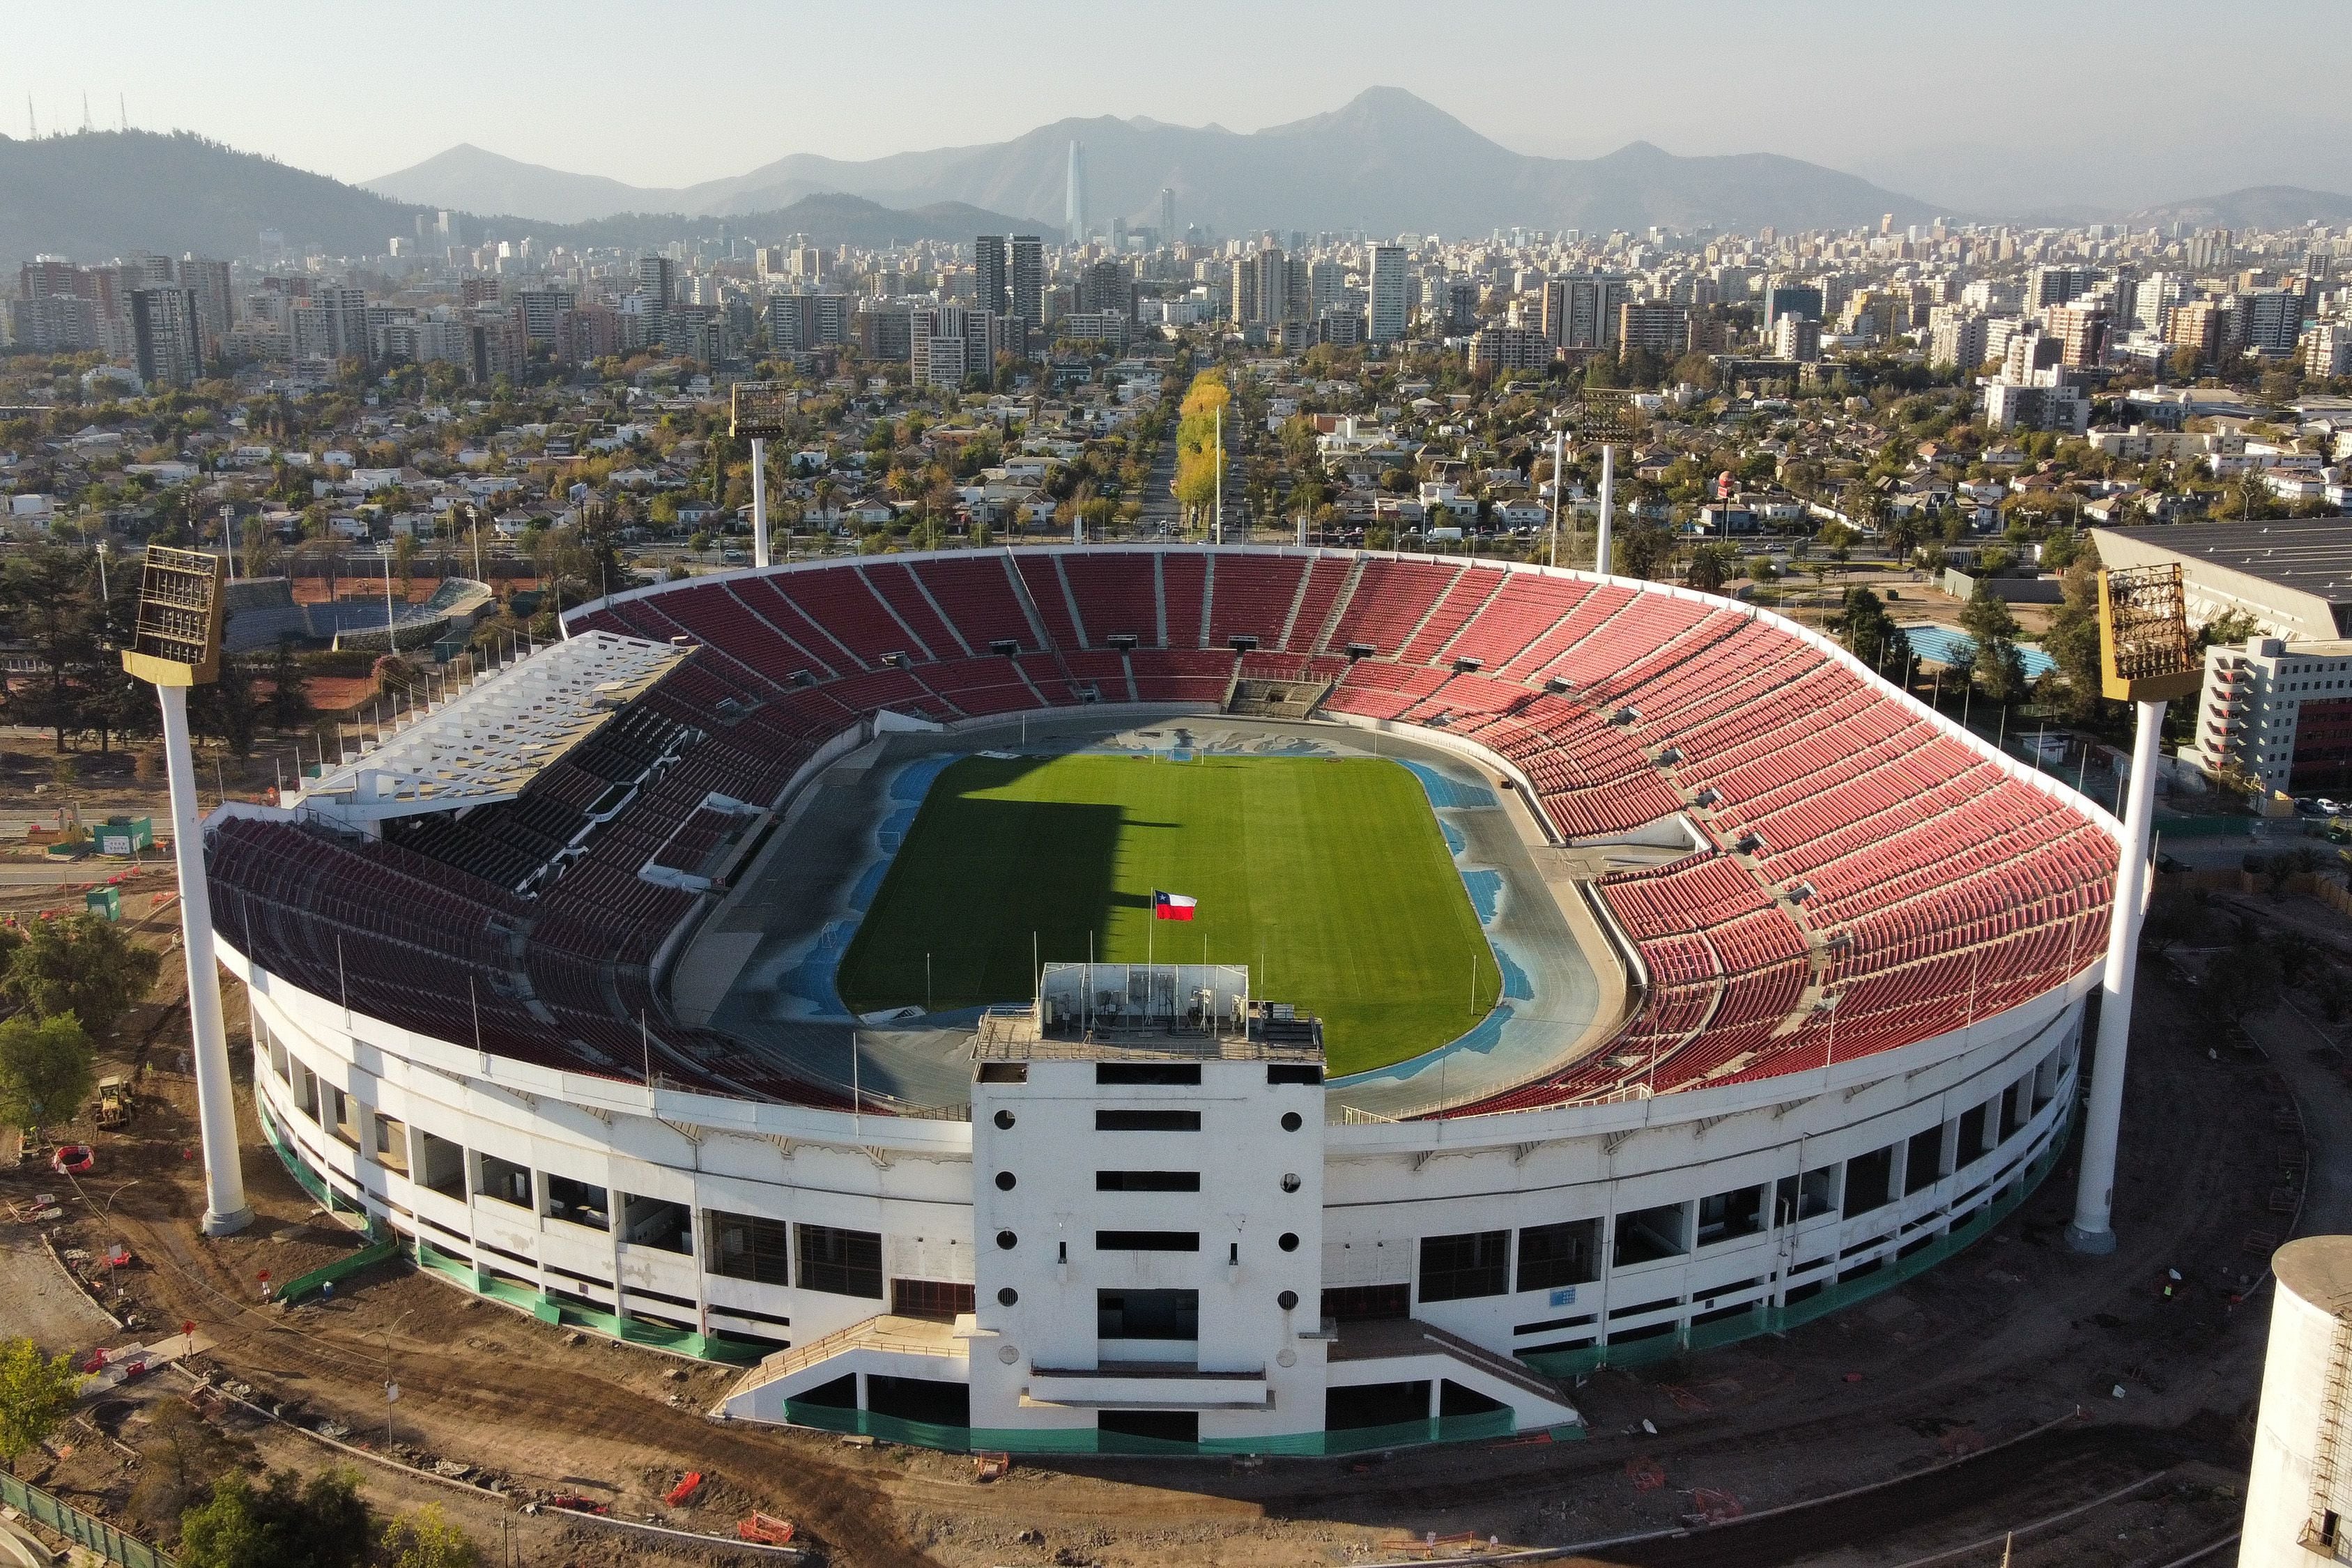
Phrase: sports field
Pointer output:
(1328, 877)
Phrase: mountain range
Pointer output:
(1387, 161)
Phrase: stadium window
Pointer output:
(656, 1222)
(580, 1203)
(1645, 1235)
(1457, 1267)
(1147, 1121)
(1923, 1160)
(1971, 1145)
(840, 1262)
(441, 1165)
(937, 1300)
(1186, 1073)
(1869, 1181)
(1147, 1180)
(1148, 1314)
(1147, 1241)
(1364, 1303)
(2013, 1106)
(1551, 1255)
(505, 1181)
(1293, 1072)
(1727, 1216)
(746, 1247)
(390, 1143)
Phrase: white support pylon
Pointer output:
(759, 500)
(2094, 1189)
(225, 1210)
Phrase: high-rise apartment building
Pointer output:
(2269, 321)
(2081, 328)
(543, 310)
(1798, 338)
(1326, 285)
(1653, 326)
(1582, 309)
(2051, 286)
(215, 310)
(1389, 301)
(1028, 279)
(989, 288)
(343, 324)
(658, 286)
(1273, 287)
(1241, 294)
(1107, 286)
(1168, 235)
(1956, 336)
(170, 342)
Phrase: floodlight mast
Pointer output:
(758, 413)
(2147, 660)
(176, 644)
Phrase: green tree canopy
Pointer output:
(1870, 633)
(428, 1539)
(45, 1071)
(288, 1524)
(83, 966)
(37, 1393)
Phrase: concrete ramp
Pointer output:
(1406, 1349)
(886, 1344)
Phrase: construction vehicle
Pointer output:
(113, 1100)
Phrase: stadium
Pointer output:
(777, 970)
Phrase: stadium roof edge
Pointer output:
(491, 738)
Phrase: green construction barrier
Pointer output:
(1485, 1426)
(88, 1532)
(302, 1285)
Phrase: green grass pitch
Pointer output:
(1328, 877)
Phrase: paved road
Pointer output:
(1159, 509)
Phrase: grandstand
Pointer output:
(1828, 900)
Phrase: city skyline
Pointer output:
(2209, 115)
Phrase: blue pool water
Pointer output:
(1944, 646)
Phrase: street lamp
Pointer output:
(390, 1389)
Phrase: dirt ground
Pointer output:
(2001, 1342)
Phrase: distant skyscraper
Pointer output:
(1168, 235)
(1388, 301)
(988, 279)
(1029, 279)
(657, 281)
(1073, 204)
(170, 344)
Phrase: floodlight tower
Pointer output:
(1605, 416)
(758, 413)
(2146, 659)
(182, 606)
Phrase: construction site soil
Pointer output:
(2019, 1386)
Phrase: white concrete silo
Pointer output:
(2299, 1496)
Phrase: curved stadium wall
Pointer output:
(492, 1074)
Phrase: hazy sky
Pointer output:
(1986, 106)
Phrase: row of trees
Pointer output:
(70, 982)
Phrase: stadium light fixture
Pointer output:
(2146, 659)
(176, 644)
(756, 413)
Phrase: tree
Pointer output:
(2228, 629)
(83, 966)
(426, 1539)
(1999, 667)
(1711, 567)
(37, 1393)
(288, 1524)
(1641, 549)
(45, 1071)
(1870, 633)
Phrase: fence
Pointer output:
(83, 1529)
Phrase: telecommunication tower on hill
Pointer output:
(176, 644)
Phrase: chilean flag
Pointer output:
(1173, 906)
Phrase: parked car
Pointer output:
(2329, 807)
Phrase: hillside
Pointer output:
(1387, 160)
(105, 193)
(2255, 206)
